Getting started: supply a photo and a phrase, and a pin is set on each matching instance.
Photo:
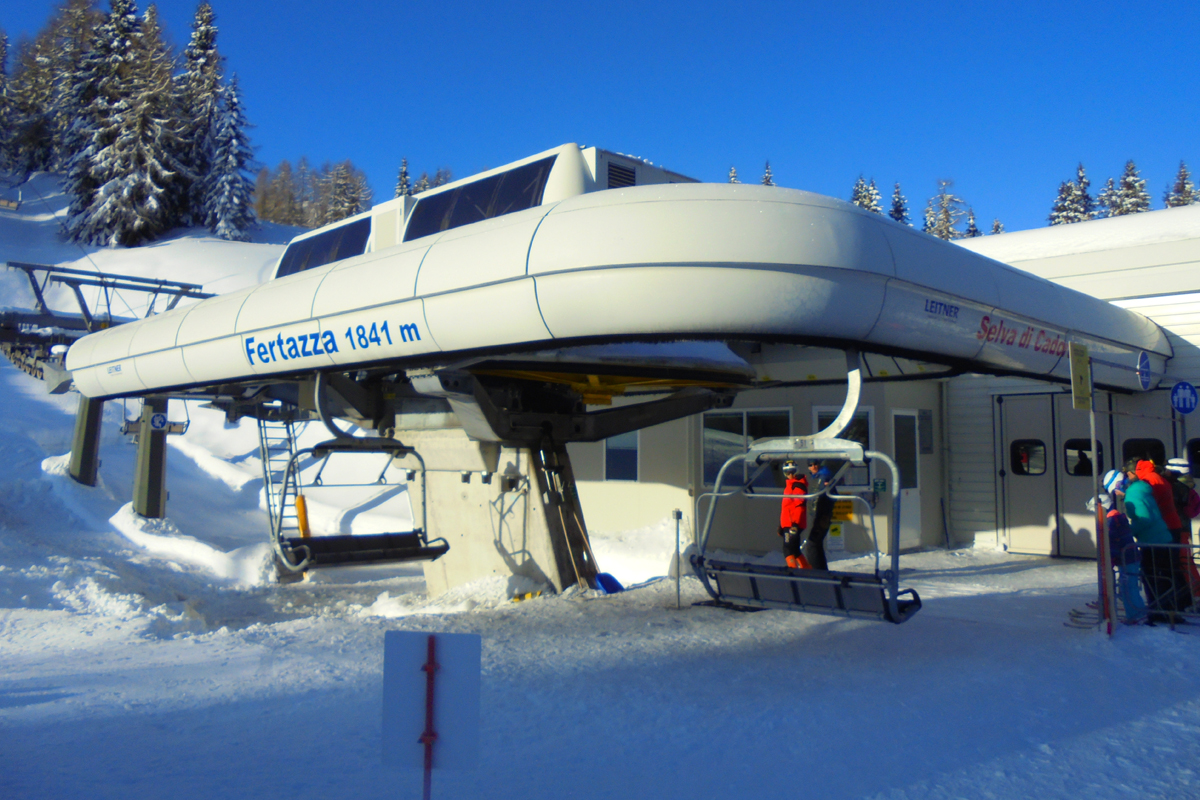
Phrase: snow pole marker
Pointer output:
(430, 735)
(431, 694)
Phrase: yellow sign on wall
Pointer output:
(1081, 377)
(843, 510)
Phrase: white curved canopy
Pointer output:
(663, 262)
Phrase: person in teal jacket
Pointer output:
(1165, 585)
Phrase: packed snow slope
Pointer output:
(159, 659)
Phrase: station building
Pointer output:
(986, 460)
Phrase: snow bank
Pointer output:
(246, 566)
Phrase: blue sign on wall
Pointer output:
(1184, 398)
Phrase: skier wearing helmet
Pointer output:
(793, 517)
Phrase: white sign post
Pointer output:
(431, 701)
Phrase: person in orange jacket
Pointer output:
(793, 517)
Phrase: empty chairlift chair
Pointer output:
(297, 550)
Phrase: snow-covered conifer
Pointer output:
(943, 213)
(441, 177)
(858, 191)
(866, 195)
(1087, 206)
(227, 196)
(873, 198)
(5, 106)
(972, 229)
(133, 156)
(733, 178)
(899, 211)
(1129, 196)
(403, 185)
(1183, 191)
(102, 81)
(997, 226)
(200, 93)
(343, 192)
(73, 33)
(1064, 203)
(768, 179)
(422, 184)
(1074, 203)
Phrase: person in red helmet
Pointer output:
(793, 517)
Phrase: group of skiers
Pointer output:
(1150, 509)
(803, 552)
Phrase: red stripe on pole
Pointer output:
(430, 735)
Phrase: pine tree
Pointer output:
(997, 227)
(1074, 203)
(262, 190)
(441, 177)
(73, 32)
(767, 178)
(1087, 206)
(228, 204)
(873, 198)
(858, 192)
(1127, 197)
(1183, 192)
(306, 210)
(866, 195)
(943, 213)
(98, 89)
(733, 178)
(5, 106)
(403, 185)
(899, 210)
(972, 229)
(30, 94)
(132, 161)
(200, 95)
(422, 183)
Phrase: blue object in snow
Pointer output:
(608, 584)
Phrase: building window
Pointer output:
(1027, 457)
(1193, 457)
(1077, 457)
(621, 457)
(1144, 450)
(861, 429)
(730, 433)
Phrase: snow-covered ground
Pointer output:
(158, 659)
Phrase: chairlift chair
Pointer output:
(745, 585)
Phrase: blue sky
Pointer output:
(1002, 98)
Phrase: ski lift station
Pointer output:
(582, 339)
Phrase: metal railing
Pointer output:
(1160, 585)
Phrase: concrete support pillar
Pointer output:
(85, 444)
(150, 472)
(524, 522)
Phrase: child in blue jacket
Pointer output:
(1125, 556)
